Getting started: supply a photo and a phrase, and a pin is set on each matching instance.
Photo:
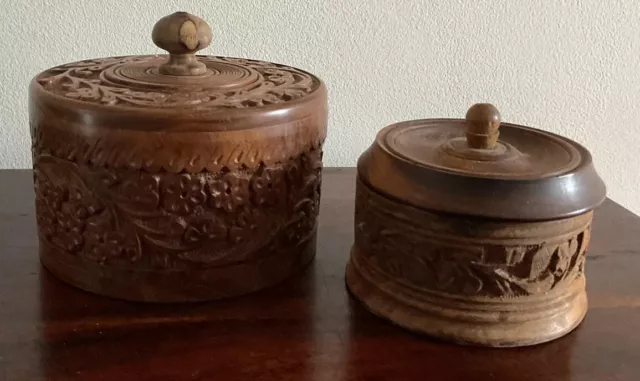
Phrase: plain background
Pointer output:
(570, 67)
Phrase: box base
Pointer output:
(177, 285)
(499, 323)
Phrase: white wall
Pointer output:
(571, 67)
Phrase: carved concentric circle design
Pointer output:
(440, 144)
(134, 81)
(219, 75)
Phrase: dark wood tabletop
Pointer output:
(307, 328)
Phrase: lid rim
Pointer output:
(496, 218)
(381, 139)
(203, 114)
(562, 196)
(304, 87)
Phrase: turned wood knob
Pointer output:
(182, 35)
(483, 123)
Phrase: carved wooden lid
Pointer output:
(177, 112)
(481, 167)
(182, 82)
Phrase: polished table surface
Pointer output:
(307, 328)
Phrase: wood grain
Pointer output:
(192, 179)
(307, 328)
(471, 281)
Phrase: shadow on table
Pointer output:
(382, 351)
(89, 337)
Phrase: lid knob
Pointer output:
(483, 123)
(182, 35)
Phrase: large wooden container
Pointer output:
(177, 178)
(470, 238)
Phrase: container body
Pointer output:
(472, 281)
(157, 204)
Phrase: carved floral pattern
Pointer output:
(406, 250)
(182, 193)
(86, 81)
(173, 220)
(265, 187)
(229, 192)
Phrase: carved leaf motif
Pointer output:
(563, 260)
(540, 262)
(163, 226)
(211, 255)
(515, 255)
(413, 253)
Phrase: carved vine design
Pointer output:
(85, 81)
(167, 220)
(404, 251)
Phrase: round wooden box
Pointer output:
(470, 238)
(177, 178)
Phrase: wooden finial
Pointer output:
(182, 35)
(483, 123)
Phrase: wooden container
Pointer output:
(177, 178)
(474, 234)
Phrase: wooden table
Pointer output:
(307, 328)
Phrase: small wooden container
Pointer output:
(474, 231)
(177, 178)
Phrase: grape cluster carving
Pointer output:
(174, 220)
